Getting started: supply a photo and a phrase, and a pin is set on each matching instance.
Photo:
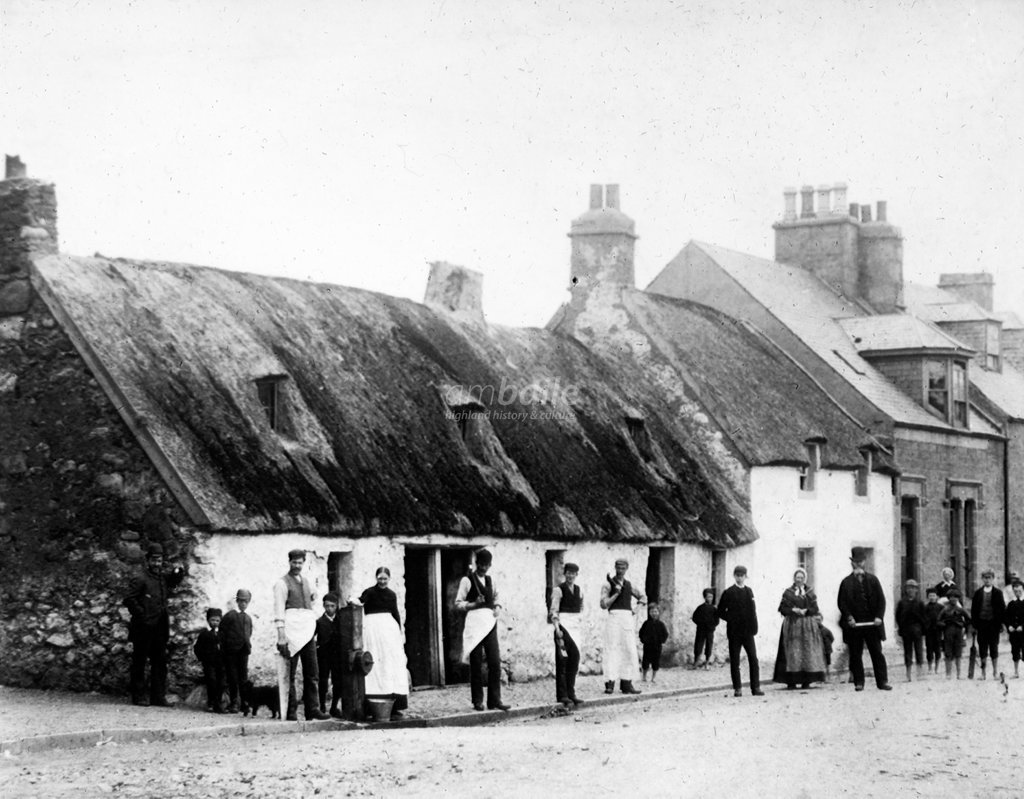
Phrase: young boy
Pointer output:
(827, 639)
(932, 631)
(706, 619)
(1014, 619)
(910, 624)
(329, 653)
(235, 643)
(653, 633)
(207, 649)
(953, 621)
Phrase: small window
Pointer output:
(271, 396)
(471, 423)
(639, 436)
(808, 474)
(805, 560)
(992, 336)
(862, 474)
(717, 576)
(938, 389)
(959, 395)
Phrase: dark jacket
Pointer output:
(328, 637)
(737, 609)
(705, 616)
(147, 597)
(236, 632)
(998, 608)
(653, 633)
(207, 648)
(1014, 615)
(910, 617)
(864, 608)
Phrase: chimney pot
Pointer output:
(15, 168)
(789, 198)
(865, 213)
(611, 196)
(807, 202)
(838, 199)
(855, 210)
(882, 209)
(824, 200)
(596, 196)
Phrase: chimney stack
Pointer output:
(975, 287)
(865, 213)
(824, 201)
(789, 197)
(602, 243)
(881, 205)
(456, 290)
(807, 202)
(28, 230)
(839, 199)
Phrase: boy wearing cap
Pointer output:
(705, 617)
(987, 609)
(932, 631)
(1014, 619)
(737, 609)
(910, 625)
(861, 610)
(235, 644)
(329, 653)
(150, 626)
(208, 651)
(566, 607)
(953, 621)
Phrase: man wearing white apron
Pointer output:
(295, 620)
(478, 599)
(566, 605)
(620, 658)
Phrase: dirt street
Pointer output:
(932, 738)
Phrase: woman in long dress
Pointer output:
(801, 657)
(382, 637)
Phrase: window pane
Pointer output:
(935, 372)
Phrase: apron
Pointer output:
(299, 629)
(479, 622)
(620, 658)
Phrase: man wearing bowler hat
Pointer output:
(861, 610)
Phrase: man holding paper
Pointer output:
(861, 610)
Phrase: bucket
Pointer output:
(380, 709)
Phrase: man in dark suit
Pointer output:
(736, 608)
(861, 610)
(987, 610)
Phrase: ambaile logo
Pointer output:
(544, 399)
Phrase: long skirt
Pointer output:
(389, 678)
(620, 661)
(801, 657)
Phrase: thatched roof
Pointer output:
(365, 445)
(766, 406)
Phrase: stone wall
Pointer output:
(78, 501)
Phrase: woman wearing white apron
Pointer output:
(382, 637)
(620, 658)
(566, 604)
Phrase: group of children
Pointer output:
(943, 625)
(223, 651)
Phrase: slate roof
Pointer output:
(940, 305)
(811, 309)
(367, 378)
(899, 332)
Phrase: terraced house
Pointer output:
(233, 417)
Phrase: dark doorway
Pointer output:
(421, 617)
(454, 566)
(908, 530)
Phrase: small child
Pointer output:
(329, 654)
(932, 631)
(653, 633)
(910, 624)
(207, 649)
(706, 619)
(1014, 620)
(827, 639)
(235, 643)
(953, 621)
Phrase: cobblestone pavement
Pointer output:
(27, 712)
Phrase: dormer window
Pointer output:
(809, 473)
(271, 397)
(946, 390)
(640, 437)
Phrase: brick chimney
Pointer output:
(602, 243)
(840, 244)
(456, 290)
(972, 286)
(28, 229)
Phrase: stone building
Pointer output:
(833, 300)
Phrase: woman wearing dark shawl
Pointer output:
(382, 637)
(801, 657)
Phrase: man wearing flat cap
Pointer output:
(478, 599)
(987, 610)
(861, 610)
(620, 661)
(566, 607)
(150, 626)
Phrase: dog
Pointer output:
(253, 697)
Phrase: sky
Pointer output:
(355, 142)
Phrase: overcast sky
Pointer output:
(354, 142)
